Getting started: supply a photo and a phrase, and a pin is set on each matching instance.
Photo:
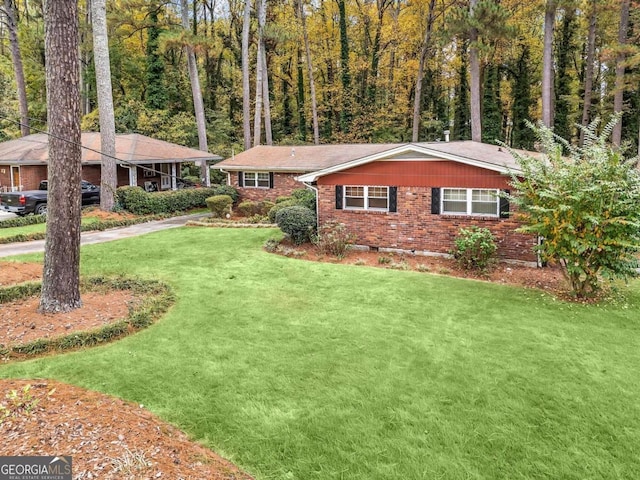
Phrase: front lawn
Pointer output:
(300, 370)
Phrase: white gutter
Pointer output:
(315, 189)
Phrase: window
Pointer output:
(256, 180)
(470, 201)
(366, 198)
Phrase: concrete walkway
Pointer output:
(88, 238)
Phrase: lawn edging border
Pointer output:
(157, 298)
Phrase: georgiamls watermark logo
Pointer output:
(35, 468)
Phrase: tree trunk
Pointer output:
(345, 112)
(312, 85)
(12, 27)
(61, 276)
(547, 64)
(616, 134)
(246, 88)
(588, 73)
(426, 45)
(265, 98)
(198, 104)
(108, 172)
(474, 70)
(257, 115)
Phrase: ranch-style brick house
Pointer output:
(143, 161)
(410, 197)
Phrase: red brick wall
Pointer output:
(414, 227)
(91, 173)
(32, 175)
(283, 185)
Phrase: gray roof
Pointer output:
(133, 147)
(330, 158)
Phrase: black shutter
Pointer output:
(504, 205)
(338, 197)
(393, 199)
(270, 179)
(435, 201)
(240, 179)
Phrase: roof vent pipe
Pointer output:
(446, 135)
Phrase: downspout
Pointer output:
(315, 189)
(228, 176)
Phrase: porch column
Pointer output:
(133, 176)
(174, 180)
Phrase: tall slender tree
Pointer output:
(312, 83)
(156, 93)
(588, 70)
(424, 52)
(547, 63)
(196, 92)
(345, 112)
(562, 90)
(618, 94)
(108, 169)
(474, 70)
(246, 88)
(18, 70)
(61, 275)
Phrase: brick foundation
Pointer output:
(413, 227)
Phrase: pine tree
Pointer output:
(492, 106)
(462, 114)
(156, 95)
(522, 136)
(565, 46)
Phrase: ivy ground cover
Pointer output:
(301, 370)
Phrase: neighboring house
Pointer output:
(143, 161)
(412, 197)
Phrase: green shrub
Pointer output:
(139, 202)
(248, 208)
(334, 239)
(298, 222)
(475, 248)
(226, 190)
(279, 206)
(305, 197)
(283, 199)
(220, 205)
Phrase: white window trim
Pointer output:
(470, 202)
(366, 198)
(254, 183)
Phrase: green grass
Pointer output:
(37, 228)
(298, 370)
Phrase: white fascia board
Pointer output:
(313, 176)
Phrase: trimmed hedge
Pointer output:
(158, 298)
(139, 202)
(23, 221)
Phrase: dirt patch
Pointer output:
(18, 272)
(21, 323)
(102, 215)
(107, 437)
(547, 278)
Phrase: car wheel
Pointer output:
(41, 209)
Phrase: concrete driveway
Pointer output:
(88, 238)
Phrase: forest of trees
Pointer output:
(333, 71)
